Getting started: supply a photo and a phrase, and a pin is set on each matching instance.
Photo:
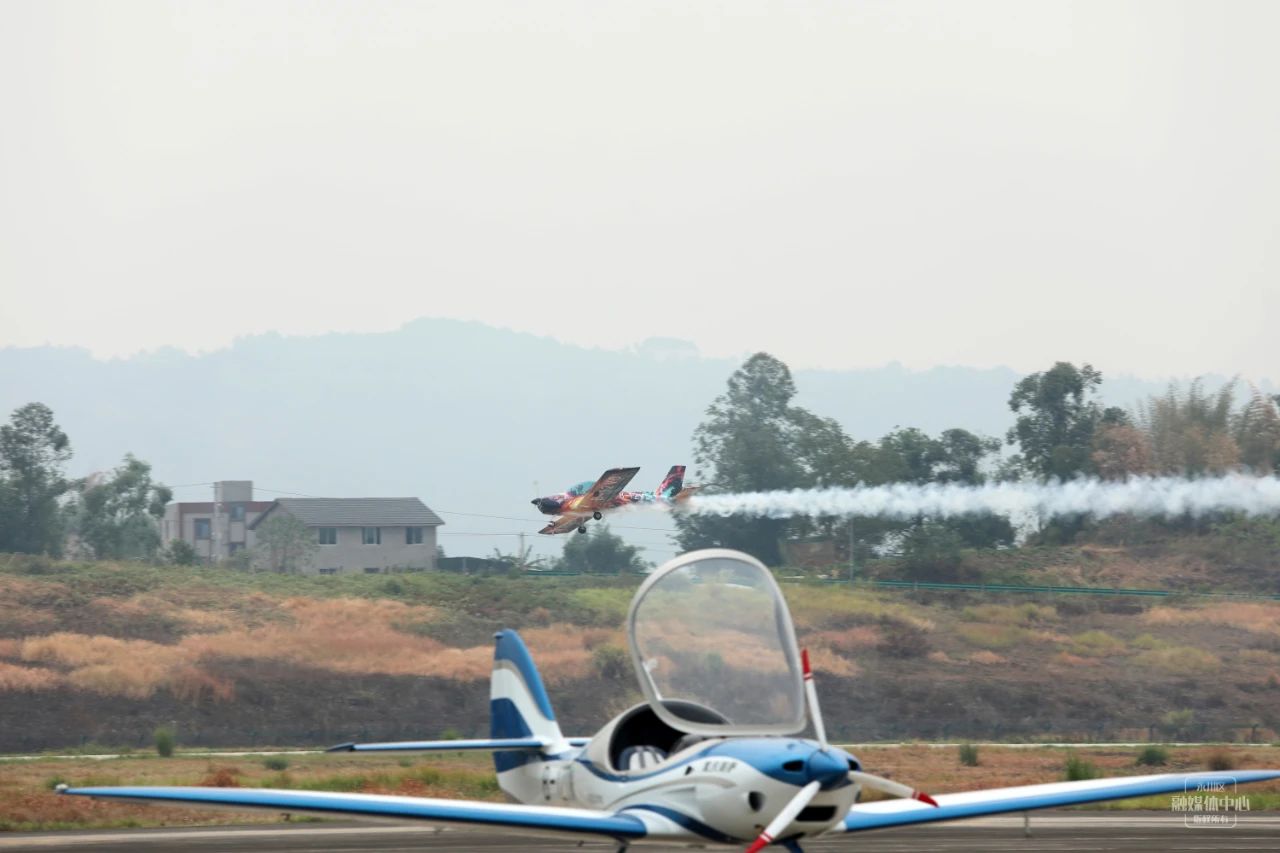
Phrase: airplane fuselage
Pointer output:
(569, 504)
(723, 790)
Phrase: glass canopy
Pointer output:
(712, 628)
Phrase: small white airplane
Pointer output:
(712, 756)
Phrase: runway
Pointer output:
(1051, 832)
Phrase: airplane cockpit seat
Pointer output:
(640, 739)
(641, 757)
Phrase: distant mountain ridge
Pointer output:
(466, 416)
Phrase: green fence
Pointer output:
(1040, 590)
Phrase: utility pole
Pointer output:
(851, 545)
(213, 528)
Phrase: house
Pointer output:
(371, 535)
(217, 529)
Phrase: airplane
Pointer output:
(712, 756)
(588, 500)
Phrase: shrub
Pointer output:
(968, 755)
(1096, 644)
(901, 639)
(1177, 724)
(1078, 769)
(275, 762)
(164, 740)
(992, 636)
(1220, 759)
(931, 552)
(1179, 660)
(611, 662)
(1152, 756)
(181, 553)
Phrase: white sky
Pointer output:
(842, 184)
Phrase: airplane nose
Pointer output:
(828, 768)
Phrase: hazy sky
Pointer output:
(843, 184)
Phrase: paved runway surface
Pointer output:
(1050, 832)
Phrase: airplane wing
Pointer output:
(884, 814)
(620, 827)
(564, 524)
(529, 744)
(608, 487)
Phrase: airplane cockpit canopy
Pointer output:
(711, 630)
(579, 489)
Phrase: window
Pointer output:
(330, 571)
(371, 536)
(203, 529)
(233, 547)
(372, 570)
(328, 535)
(413, 536)
(237, 512)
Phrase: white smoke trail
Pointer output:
(1141, 496)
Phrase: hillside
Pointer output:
(105, 653)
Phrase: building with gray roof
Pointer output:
(369, 535)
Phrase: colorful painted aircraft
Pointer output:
(589, 500)
(711, 757)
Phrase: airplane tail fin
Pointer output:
(518, 703)
(672, 483)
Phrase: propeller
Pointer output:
(806, 794)
(890, 787)
(785, 817)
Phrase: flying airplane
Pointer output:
(712, 756)
(589, 500)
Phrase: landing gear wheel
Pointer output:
(582, 529)
(596, 515)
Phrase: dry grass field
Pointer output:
(96, 656)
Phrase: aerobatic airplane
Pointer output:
(712, 756)
(589, 500)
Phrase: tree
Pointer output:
(751, 441)
(956, 456)
(285, 544)
(1190, 432)
(1257, 434)
(1057, 416)
(598, 551)
(116, 517)
(33, 451)
(1120, 451)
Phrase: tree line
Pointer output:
(755, 438)
(109, 515)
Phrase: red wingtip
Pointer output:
(804, 662)
(759, 844)
(925, 798)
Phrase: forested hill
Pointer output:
(466, 416)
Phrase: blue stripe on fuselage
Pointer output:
(683, 820)
(765, 755)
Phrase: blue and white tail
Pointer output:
(518, 703)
